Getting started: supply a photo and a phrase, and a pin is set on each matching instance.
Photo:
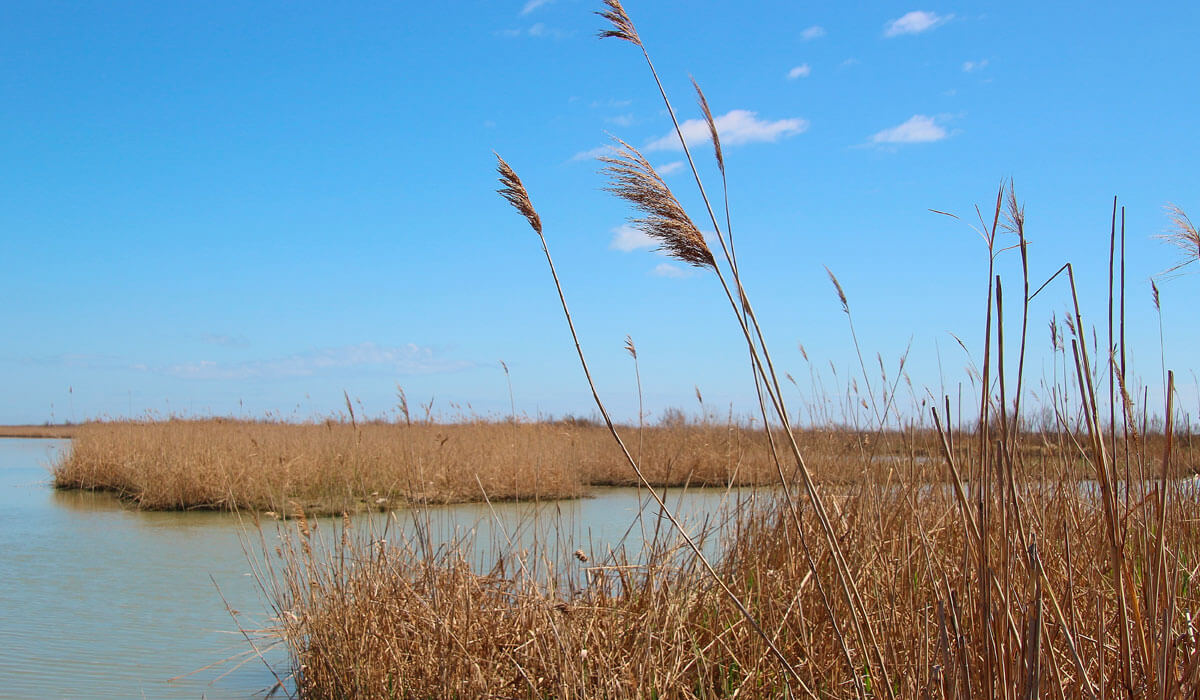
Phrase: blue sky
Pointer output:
(249, 208)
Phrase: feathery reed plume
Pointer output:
(1154, 292)
(712, 125)
(515, 193)
(1183, 235)
(1014, 221)
(630, 347)
(403, 404)
(622, 26)
(350, 408)
(841, 294)
(633, 179)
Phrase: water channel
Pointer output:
(98, 600)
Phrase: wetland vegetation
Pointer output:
(1009, 557)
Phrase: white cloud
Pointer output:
(541, 30)
(404, 359)
(627, 239)
(538, 30)
(813, 32)
(801, 71)
(915, 22)
(620, 120)
(668, 168)
(972, 66)
(736, 127)
(669, 270)
(918, 129)
(533, 5)
(594, 153)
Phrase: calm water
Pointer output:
(99, 601)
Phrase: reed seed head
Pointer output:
(712, 126)
(1182, 235)
(632, 178)
(516, 195)
(630, 347)
(841, 294)
(622, 26)
(1015, 214)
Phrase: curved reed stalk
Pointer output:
(687, 241)
(624, 29)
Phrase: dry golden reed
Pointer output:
(334, 467)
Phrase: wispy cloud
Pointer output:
(533, 5)
(668, 168)
(404, 359)
(669, 270)
(594, 153)
(801, 71)
(542, 31)
(918, 129)
(814, 32)
(972, 66)
(539, 31)
(627, 239)
(915, 22)
(620, 120)
(736, 127)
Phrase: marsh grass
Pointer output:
(339, 466)
(1010, 558)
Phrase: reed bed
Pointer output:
(1025, 607)
(341, 466)
(338, 467)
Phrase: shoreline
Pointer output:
(33, 432)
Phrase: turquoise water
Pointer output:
(101, 601)
(98, 601)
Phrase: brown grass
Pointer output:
(372, 620)
(336, 467)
